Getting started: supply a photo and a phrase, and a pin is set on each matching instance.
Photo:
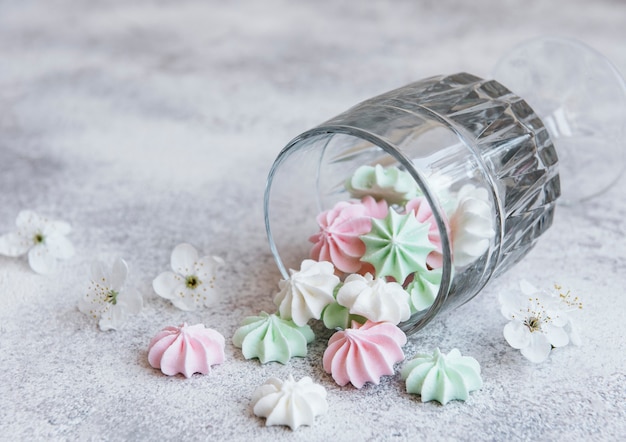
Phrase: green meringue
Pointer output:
(336, 316)
(442, 378)
(424, 288)
(389, 183)
(271, 338)
(397, 245)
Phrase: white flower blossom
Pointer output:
(569, 305)
(108, 298)
(192, 283)
(43, 239)
(539, 321)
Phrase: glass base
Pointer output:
(581, 98)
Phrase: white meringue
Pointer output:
(375, 299)
(289, 402)
(472, 224)
(305, 294)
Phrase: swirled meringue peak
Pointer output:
(423, 289)
(374, 298)
(472, 224)
(442, 378)
(305, 294)
(364, 353)
(424, 214)
(340, 227)
(336, 316)
(397, 245)
(187, 349)
(290, 402)
(383, 183)
(271, 338)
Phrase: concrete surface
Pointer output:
(148, 123)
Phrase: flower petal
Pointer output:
(206, 266)
(92, 305)
(58, 227)
(118, 274)
(574, 337)
(130, 300)
(166, 283)
(99, 273)
(517, 334)
(187, 302)
(14, 244)
(27, 219)
(527, 288)
(41, 260)
(539, 348)
(183, 259)
(112, 319)
(556, 336)
(60, 247)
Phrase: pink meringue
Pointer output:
(340, 227)
(187, 349)
(424, 214)
(364, 353)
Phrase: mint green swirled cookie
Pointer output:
(271, 338)
(397, 246)
(424, 288)
(442, 378)
(389, 183)
(338, 316)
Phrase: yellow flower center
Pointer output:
(192, 282)
(111, 297)
(533, 323)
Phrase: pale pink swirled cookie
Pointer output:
(340, 227)
(187, 349)
(364, 353)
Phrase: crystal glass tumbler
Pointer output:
(465, 156)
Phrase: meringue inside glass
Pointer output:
(426, 236)
(447, 181)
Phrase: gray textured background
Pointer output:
(149, 123)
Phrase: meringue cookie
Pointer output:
(289, 402)
(187, 349)
(424, 288)
(375, 299)
(390, 183)
(336, 316)
(271, 338)
(340, 227)
(472, 224)
(442, 377)
(305, 294)
(440, 184)
(424, 214)
(364, 353)
(397, 245)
